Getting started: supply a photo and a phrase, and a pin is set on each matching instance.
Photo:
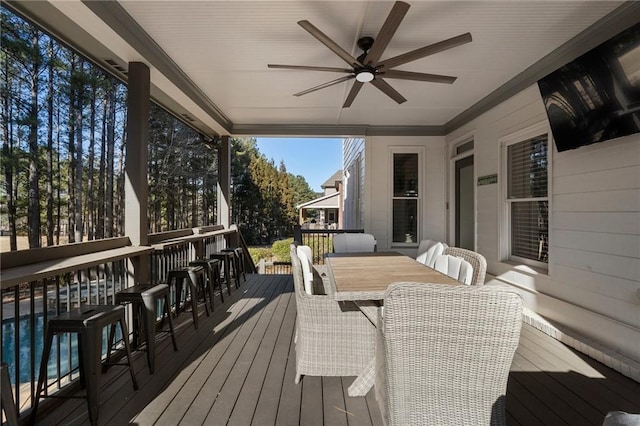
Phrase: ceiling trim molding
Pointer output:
(60, 27)
(116, 17)
(334, 130)
(610, 25)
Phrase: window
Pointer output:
(406, 196)
(528, 201)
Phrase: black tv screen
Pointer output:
(597, 96)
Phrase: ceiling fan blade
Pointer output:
(322, 86)
(357, 85)
(309, 68)
(426, 51)
(388, 90)
(332, 45)
(387, 31)
(418, 76)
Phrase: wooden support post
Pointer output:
(224, 181)
(135, 183)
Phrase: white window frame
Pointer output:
(419, 151)
(530, 132)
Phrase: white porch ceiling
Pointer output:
(223, 47)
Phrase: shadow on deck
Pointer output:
(238, 368)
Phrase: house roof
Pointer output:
(331, 182)
(331, 201)
(216, 77)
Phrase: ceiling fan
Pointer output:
(368, 68)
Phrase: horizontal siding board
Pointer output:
(627, 200)
(615, 266)
(610, 155)
(624, 311)
(606, 180)
(613, 244)
(606, 285)
(611, 222)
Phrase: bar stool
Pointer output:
(193, 275)
(228, 259)
(239, 251)
(88, 322)
(213, 276)
(235, 265)
(145, 299)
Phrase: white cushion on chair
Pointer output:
(354, 243)
(455, 267)
(307, 268)
(431, 253)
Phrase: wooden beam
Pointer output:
(135, 185)
(224, 182)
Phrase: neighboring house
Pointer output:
(329, 205)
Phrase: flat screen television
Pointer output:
(596, 97)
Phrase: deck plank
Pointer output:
(252, 387)
(176, 389)
(586, 383)
(238, 368)
(249, 368)
(618, 384)
(333, 402)
(537, 408)
(267, 403)
(562, 401)
(213, 371)
(311, 406)
(356, 407)
(291, 396)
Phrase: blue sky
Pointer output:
(317, 159)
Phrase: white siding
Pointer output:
(593, 281)
(353, 161)
(378, 188)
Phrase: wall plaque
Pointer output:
(487, 179)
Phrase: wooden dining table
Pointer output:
(366, 276)
(363, 278)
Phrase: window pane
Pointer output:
(530, 230)
(405, 175)
(468, 146)
(405, 224)
(527, 162)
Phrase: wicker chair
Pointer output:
(477, 261)
(444, 352)
(333, 339)
(354, 243)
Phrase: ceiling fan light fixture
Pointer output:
(364, 76)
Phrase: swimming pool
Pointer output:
(68, 354)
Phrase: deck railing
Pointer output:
(320, 240)
(271, 268)
(40, 283)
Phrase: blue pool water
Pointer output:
(68, 353)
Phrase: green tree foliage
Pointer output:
(264, 195)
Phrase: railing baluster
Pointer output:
(32, 332)
(16, 335)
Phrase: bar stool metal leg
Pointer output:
(8, 406)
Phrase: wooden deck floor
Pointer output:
(238, 369)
